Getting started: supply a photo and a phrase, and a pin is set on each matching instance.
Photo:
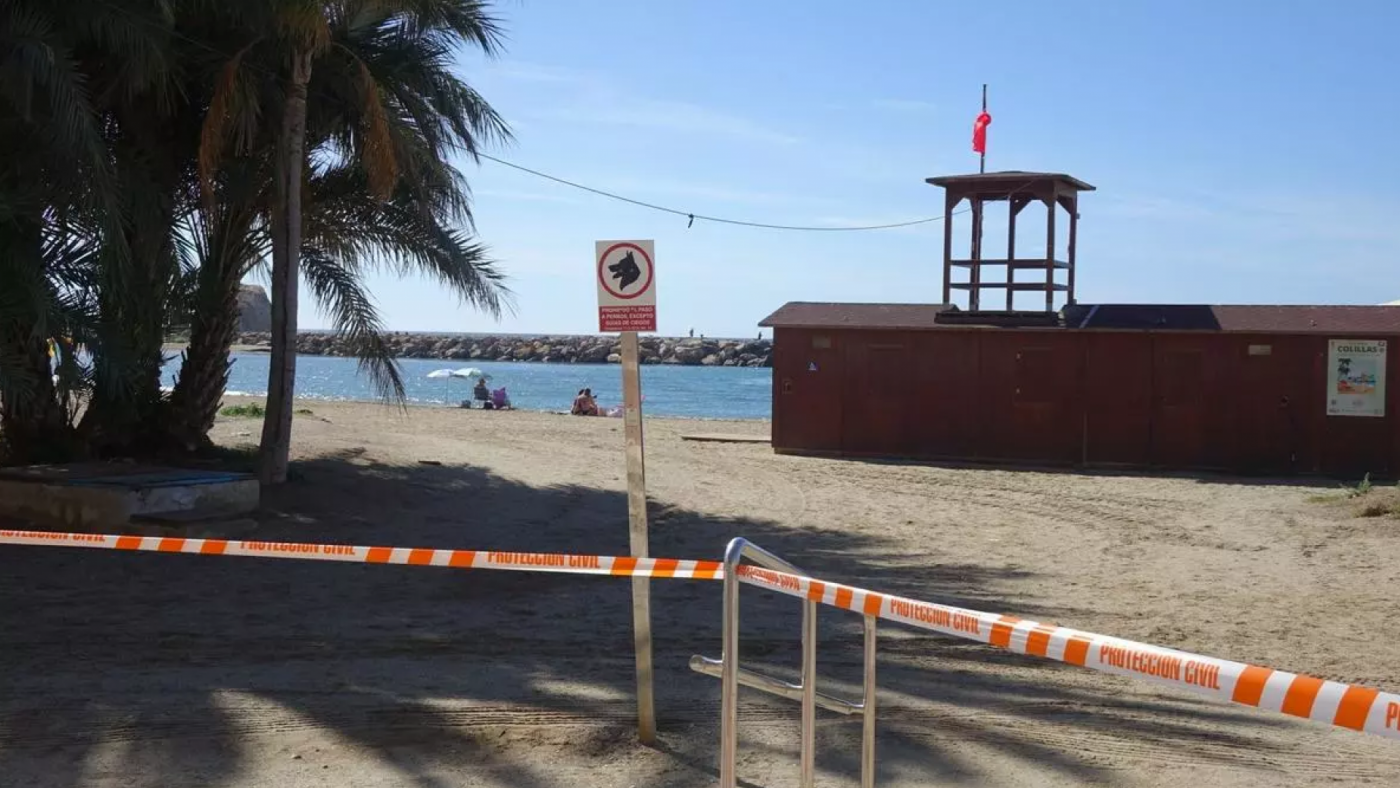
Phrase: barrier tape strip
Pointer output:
(616, 566)
(1329, 702)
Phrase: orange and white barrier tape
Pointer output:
(617, 566)
(1328, 702)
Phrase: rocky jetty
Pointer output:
(547, 350)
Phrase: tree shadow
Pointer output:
(160, 668)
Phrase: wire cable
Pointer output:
(693, 217)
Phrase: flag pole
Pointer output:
(982, 163)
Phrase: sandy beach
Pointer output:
(154, 670)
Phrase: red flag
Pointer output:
(979, 132)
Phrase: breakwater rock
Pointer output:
(547, 350)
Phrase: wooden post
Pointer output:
(1050, 250)
(637, 520)
(974, 299)
(948, 204)
(1011, 252)
(1073, 207)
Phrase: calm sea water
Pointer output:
(668, 390)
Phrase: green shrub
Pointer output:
(252, 410)
(1363, 487)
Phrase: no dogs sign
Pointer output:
(626, 274)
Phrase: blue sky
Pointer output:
(1244, 152)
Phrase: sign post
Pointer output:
(626, 277)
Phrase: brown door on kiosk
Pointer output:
(877, 399)
(807, 392)
(1189, 428)
(1271, 406)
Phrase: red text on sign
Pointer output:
(626, 318)
(1392, 716)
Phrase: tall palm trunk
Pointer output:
(286, 258)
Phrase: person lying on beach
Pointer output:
(584, 404)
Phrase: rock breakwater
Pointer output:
(545, 349)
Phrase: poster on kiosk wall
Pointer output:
(1356, 377)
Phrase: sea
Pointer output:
(667, 390)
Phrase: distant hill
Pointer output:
(254, 309)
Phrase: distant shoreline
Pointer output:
(240, 397)
(549, 349)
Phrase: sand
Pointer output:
(155, 670)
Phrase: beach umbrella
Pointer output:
(469, 372)
(446, 375)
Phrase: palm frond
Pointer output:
(378, 155)
(226, 110)
(342, 297)
(40, 79)
(358, 232)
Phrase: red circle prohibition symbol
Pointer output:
(603, 277)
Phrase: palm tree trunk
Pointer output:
(286, 256)
(204, 372)
(205, 369)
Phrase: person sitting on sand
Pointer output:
(584, 404)
(481, 393)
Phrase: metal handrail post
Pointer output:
(734, 553)
(867, 739)
(808, 773)
(729, 675)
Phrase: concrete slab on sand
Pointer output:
(721, 437)
(92, 496)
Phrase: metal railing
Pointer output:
(731, 675)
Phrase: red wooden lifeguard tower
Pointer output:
(1017, 189)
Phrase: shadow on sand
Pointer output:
(170, 664)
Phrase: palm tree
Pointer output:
(383, 101)
(348, 233)
(65, 242)
(228, 237)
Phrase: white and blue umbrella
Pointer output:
(461, 372)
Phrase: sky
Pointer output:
(1243, 151)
